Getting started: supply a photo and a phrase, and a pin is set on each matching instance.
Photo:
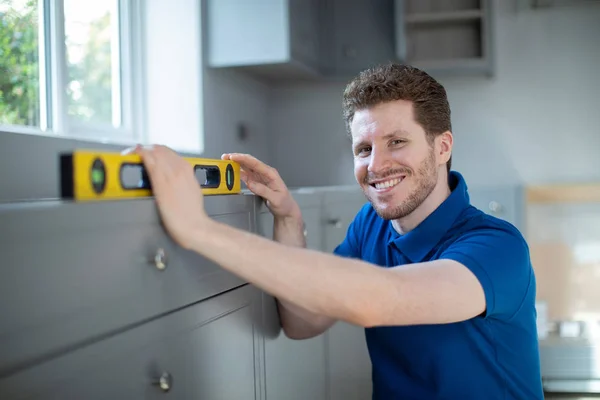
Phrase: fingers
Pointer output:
(260, 189)
(161, 165)
(250, 163)
(244, 176)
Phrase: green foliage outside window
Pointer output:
(19, 64)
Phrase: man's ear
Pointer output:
(444, 146)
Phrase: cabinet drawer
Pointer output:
(205, 351)
(73, 273)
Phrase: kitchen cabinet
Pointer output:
(278, 39)
(446, 36)
(79, 271)
(283, 40)
(506, 202)
(295, 369)
(337, 363)
(333, 40)
(359, 34)
(348, 356)
(204, 351)
(98, 302)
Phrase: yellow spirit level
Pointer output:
(92, 175)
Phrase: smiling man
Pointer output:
(446, 293)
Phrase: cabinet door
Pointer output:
(339, 209)
(359, 34)
(310, 206)
(504, 202)
(270, 38)
(295, 369)
(205, 351)
(78, 271)
(349, 363)
(445, 37)
(304, 31)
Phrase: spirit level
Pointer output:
(92, 175)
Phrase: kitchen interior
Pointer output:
(265, 77)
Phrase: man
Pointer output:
(445, 292)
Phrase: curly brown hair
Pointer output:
(389, 82)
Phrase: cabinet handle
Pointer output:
(164, 382)
(160, 259)
(335, 222)
(495, 207)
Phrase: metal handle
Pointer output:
(335, 222)
(164, 382)
(495, 207)
(160, 259)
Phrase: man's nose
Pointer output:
(379, 161)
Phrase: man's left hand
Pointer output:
(177, 192)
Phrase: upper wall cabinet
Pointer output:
(273, 38)
(445, 36)
(336, 39)
(357, 35)
(299, 39)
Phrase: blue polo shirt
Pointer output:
(492, 356)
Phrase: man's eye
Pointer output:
(363, 150)
(397, 141)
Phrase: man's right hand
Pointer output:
(288, 228)
(264, 181)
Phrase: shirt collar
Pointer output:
(417, 243)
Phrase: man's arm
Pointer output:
(345, 289)
(297, 322)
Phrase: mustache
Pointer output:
(390, 172)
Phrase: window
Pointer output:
(109, 71)
(67, 68)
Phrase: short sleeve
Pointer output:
(500, 260)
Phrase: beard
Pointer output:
(426, 177)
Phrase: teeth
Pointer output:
(387, 184)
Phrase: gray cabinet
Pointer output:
(333, 40)
(335, 365)
(273, 38)
(445, 36)
(294, 369)
(78, 271)
(340, 206)
(98, 302)
(359, 34)
(204, 351)
(349, 364)
(300, 39)
(505, 202)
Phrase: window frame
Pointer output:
(53, 76)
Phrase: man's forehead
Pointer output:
(382, 119)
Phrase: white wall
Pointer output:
(537, 120)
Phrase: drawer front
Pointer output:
(73, 273)
(205, 351)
